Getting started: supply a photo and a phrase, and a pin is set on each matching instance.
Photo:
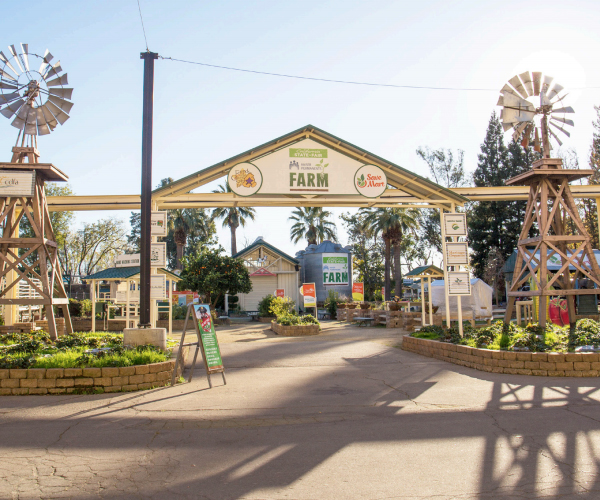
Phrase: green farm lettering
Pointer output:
(300, 179)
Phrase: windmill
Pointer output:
(33, 95)
(526, 119)
(551, 207)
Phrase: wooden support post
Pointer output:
(430, 302)
(93, 299)
(422, 302)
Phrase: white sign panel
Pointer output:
(335, 269)
(457, 254)
(158, 286)
(459, 283)
(16, 183)
(307, 167)
(158, 223)
(455, 224)
(158, 255)
(134, 297)
(127, 260)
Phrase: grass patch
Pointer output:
(426, 335)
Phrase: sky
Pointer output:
(204, 115)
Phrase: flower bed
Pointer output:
(295, 330)
(501, 348)
(31, 363)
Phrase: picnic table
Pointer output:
(363, 321)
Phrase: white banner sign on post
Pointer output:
(158, 223)
(457, 254)
(158, 254)
(16, 183)
(158, 286)
(455, 224)
(459, 283)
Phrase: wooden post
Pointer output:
(422, 301)
(93, 299)
(430, 303)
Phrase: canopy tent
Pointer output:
(480, 300)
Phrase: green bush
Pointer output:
(179, 312)
(74, 308)
(282, 306)
(331, 302)
(85, 307)
(264, 306)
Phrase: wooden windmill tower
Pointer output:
(36, 100)
(551, 205)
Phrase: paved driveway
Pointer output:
(340, 416)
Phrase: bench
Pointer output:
(363, 320)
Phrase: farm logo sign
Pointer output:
(307, 168)
(17, 183)
(335, 269)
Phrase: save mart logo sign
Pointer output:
(335, 269)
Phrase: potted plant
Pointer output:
(394, 306)
(365, 305)
(343, 302)
(351, 304)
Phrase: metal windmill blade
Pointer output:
(36, 100)
(527, 82)
(518, 86)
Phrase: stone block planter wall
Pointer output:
(294, 331)
(580, 364)
(94, 380)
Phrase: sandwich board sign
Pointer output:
(206, 343)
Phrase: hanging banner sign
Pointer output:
(455, 224)
(335, 269)
(158, 286)
(307, 167)
(208, 337)
(158, 255)
(16, 183)
(309, 292)
(127, 260)
(280, 292)
(459, 283)
(457, 254)
(358, 292)
(158, 224)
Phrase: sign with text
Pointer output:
(457, 254)
(335, 269)
(208, 337)
(158, 286)
(127, 260)
(158, 255)
(280, 292)
(455, 224)
(158, 224)
(307, 168)
(309, 292)
(16, 183)
(134, 297)
(358, 292)
(459, 283)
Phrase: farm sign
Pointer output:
(335, 269)
(307, 168)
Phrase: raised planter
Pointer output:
(85, 380)
(546, 364)
(265, 319)
(294, 331)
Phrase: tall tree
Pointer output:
(233, 217)
(367, 254)
(497, 224)
(391, 224)
(313, 224)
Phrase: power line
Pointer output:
(142, 20)
(347, 82)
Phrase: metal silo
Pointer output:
(312, 268)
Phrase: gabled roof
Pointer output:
(418, 189)
(425, 271)
(261, 242)
(115, 273)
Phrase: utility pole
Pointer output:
(146, 241)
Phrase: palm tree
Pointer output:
(181, 223)
(391, 223)
(312, 224)
(232, 216)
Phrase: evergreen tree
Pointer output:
(497, 224)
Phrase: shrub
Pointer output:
(282, 306)
(264, 306)
(86, 307)
(309, 320)
(74, 308)
(331, 302)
